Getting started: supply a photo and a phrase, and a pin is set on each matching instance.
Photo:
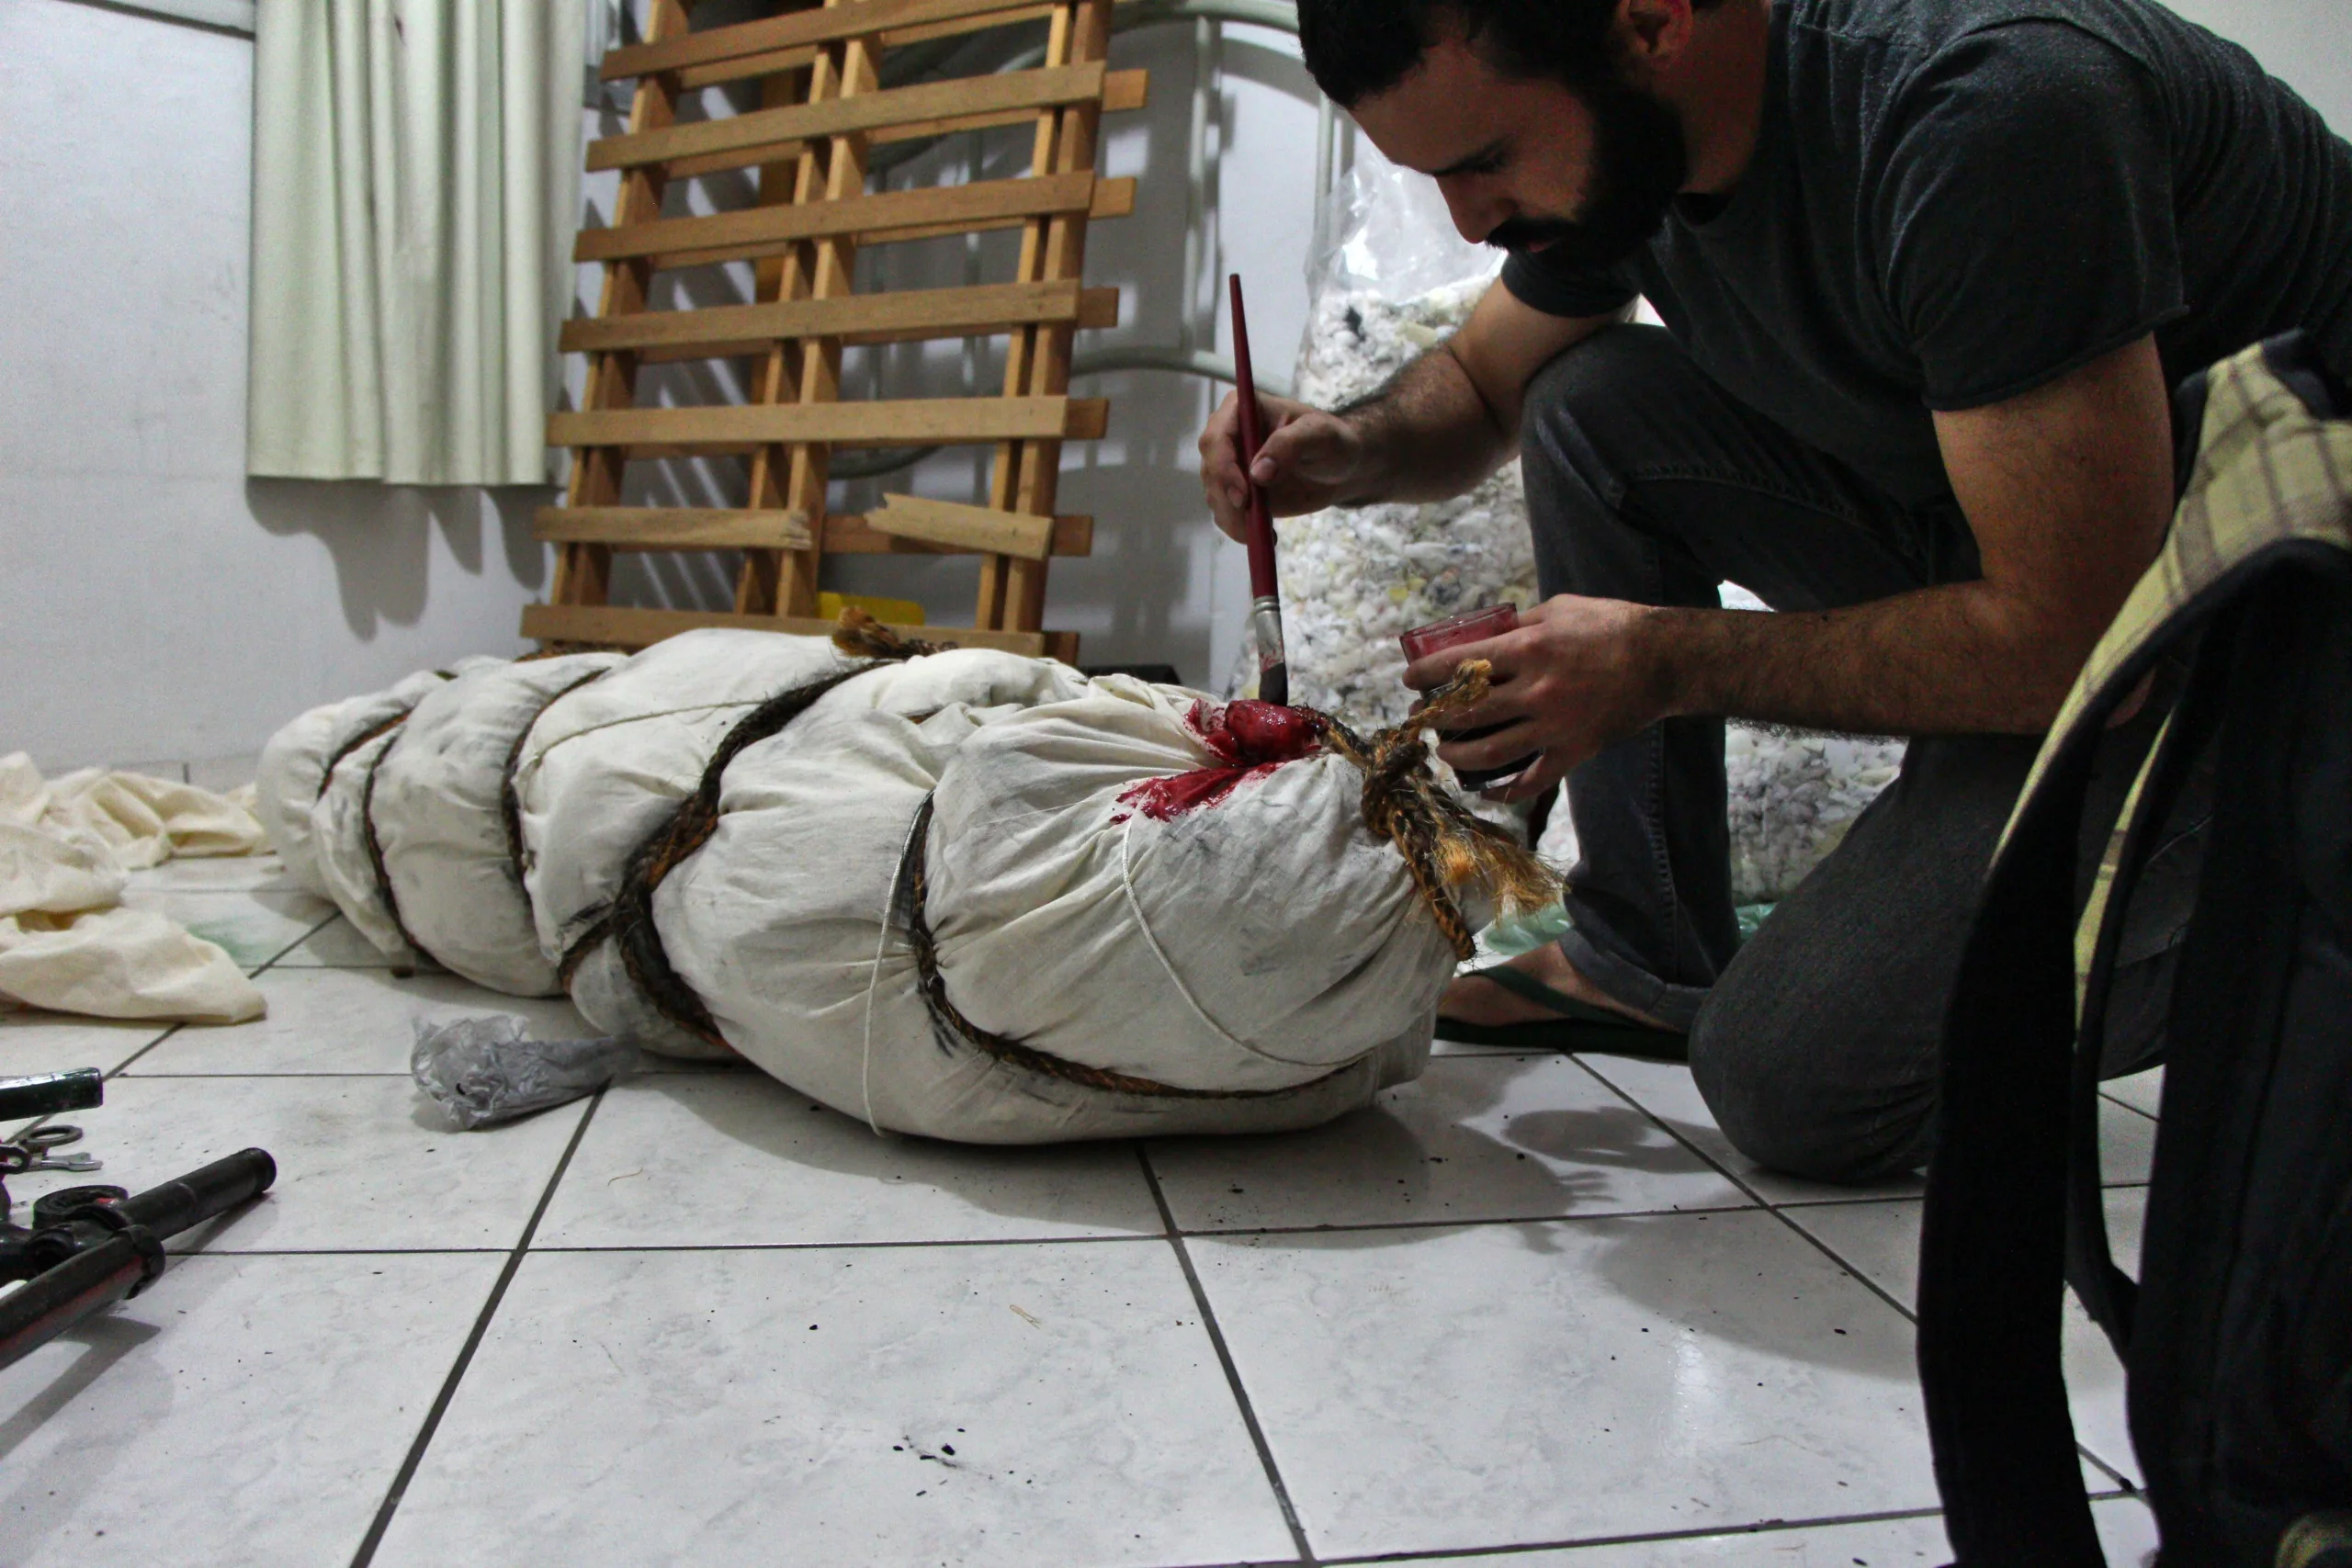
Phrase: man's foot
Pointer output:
(1473, 999)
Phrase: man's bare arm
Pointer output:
(2068, 490)
(1442, 423)
(1451, 417)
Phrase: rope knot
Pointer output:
(860, 636)
(1444, 846)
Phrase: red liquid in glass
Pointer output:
(1458, 631)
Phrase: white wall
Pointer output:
(156, 603)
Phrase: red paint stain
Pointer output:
(1253, 738)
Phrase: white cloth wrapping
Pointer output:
(346, 862)
(293, 769)
(439, 818)
(605, 766)
(1056, 927)
(1256, 962)
(774, 922)
(1254, 943)
(66, 943)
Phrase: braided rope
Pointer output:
(509, 802)
(356, 741)
(1443, 845)
(375, 846)
(628, 920)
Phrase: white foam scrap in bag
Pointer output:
(1793, 796)
(1354, 579)
(782, 922)
(439, 814)
(604, 768)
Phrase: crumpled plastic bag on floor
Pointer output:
(66, 943)
(481, 1071)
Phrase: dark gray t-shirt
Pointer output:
(1954, 202)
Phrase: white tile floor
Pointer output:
(1532, 1311)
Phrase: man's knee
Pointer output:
(1604, 400)
(1782, 1100)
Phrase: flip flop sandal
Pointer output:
(1580, 1026)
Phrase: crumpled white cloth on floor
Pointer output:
(67, 945)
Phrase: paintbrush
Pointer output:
(1265, 590)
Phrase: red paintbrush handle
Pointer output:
(1263, 580)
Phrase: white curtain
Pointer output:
(416, 186)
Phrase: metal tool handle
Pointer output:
(85, 1275)
(51, 1093)
(200, 1194)
(55, 1300)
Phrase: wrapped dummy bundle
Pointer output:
(293, 769)
(606, 765)
(979, 898)
(443, 815)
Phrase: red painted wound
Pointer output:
(1253, 738)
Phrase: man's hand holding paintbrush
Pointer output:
(1567, 680)
(1258, 534)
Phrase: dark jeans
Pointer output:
(1817, 1043)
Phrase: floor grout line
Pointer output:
(1735, 1180)
(324, 922)
(126, 1063)
(1175, 1239)
(415, 1456)
(322, 1073)
(1351, 1227)
(1761, 1527)
(1858, 1275)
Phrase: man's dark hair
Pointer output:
(1357, 49)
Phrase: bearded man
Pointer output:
(1928, 270)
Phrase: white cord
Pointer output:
(873, 984)
(1128, 886)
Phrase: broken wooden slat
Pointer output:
(848, 534)
(674, 528)
(980, 529)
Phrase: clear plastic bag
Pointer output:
(1389, 230)
(1395, 281)
(480, 1071)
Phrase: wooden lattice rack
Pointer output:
(822, 108)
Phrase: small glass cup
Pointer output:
(1458, 631)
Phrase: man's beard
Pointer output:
(1640, 162)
